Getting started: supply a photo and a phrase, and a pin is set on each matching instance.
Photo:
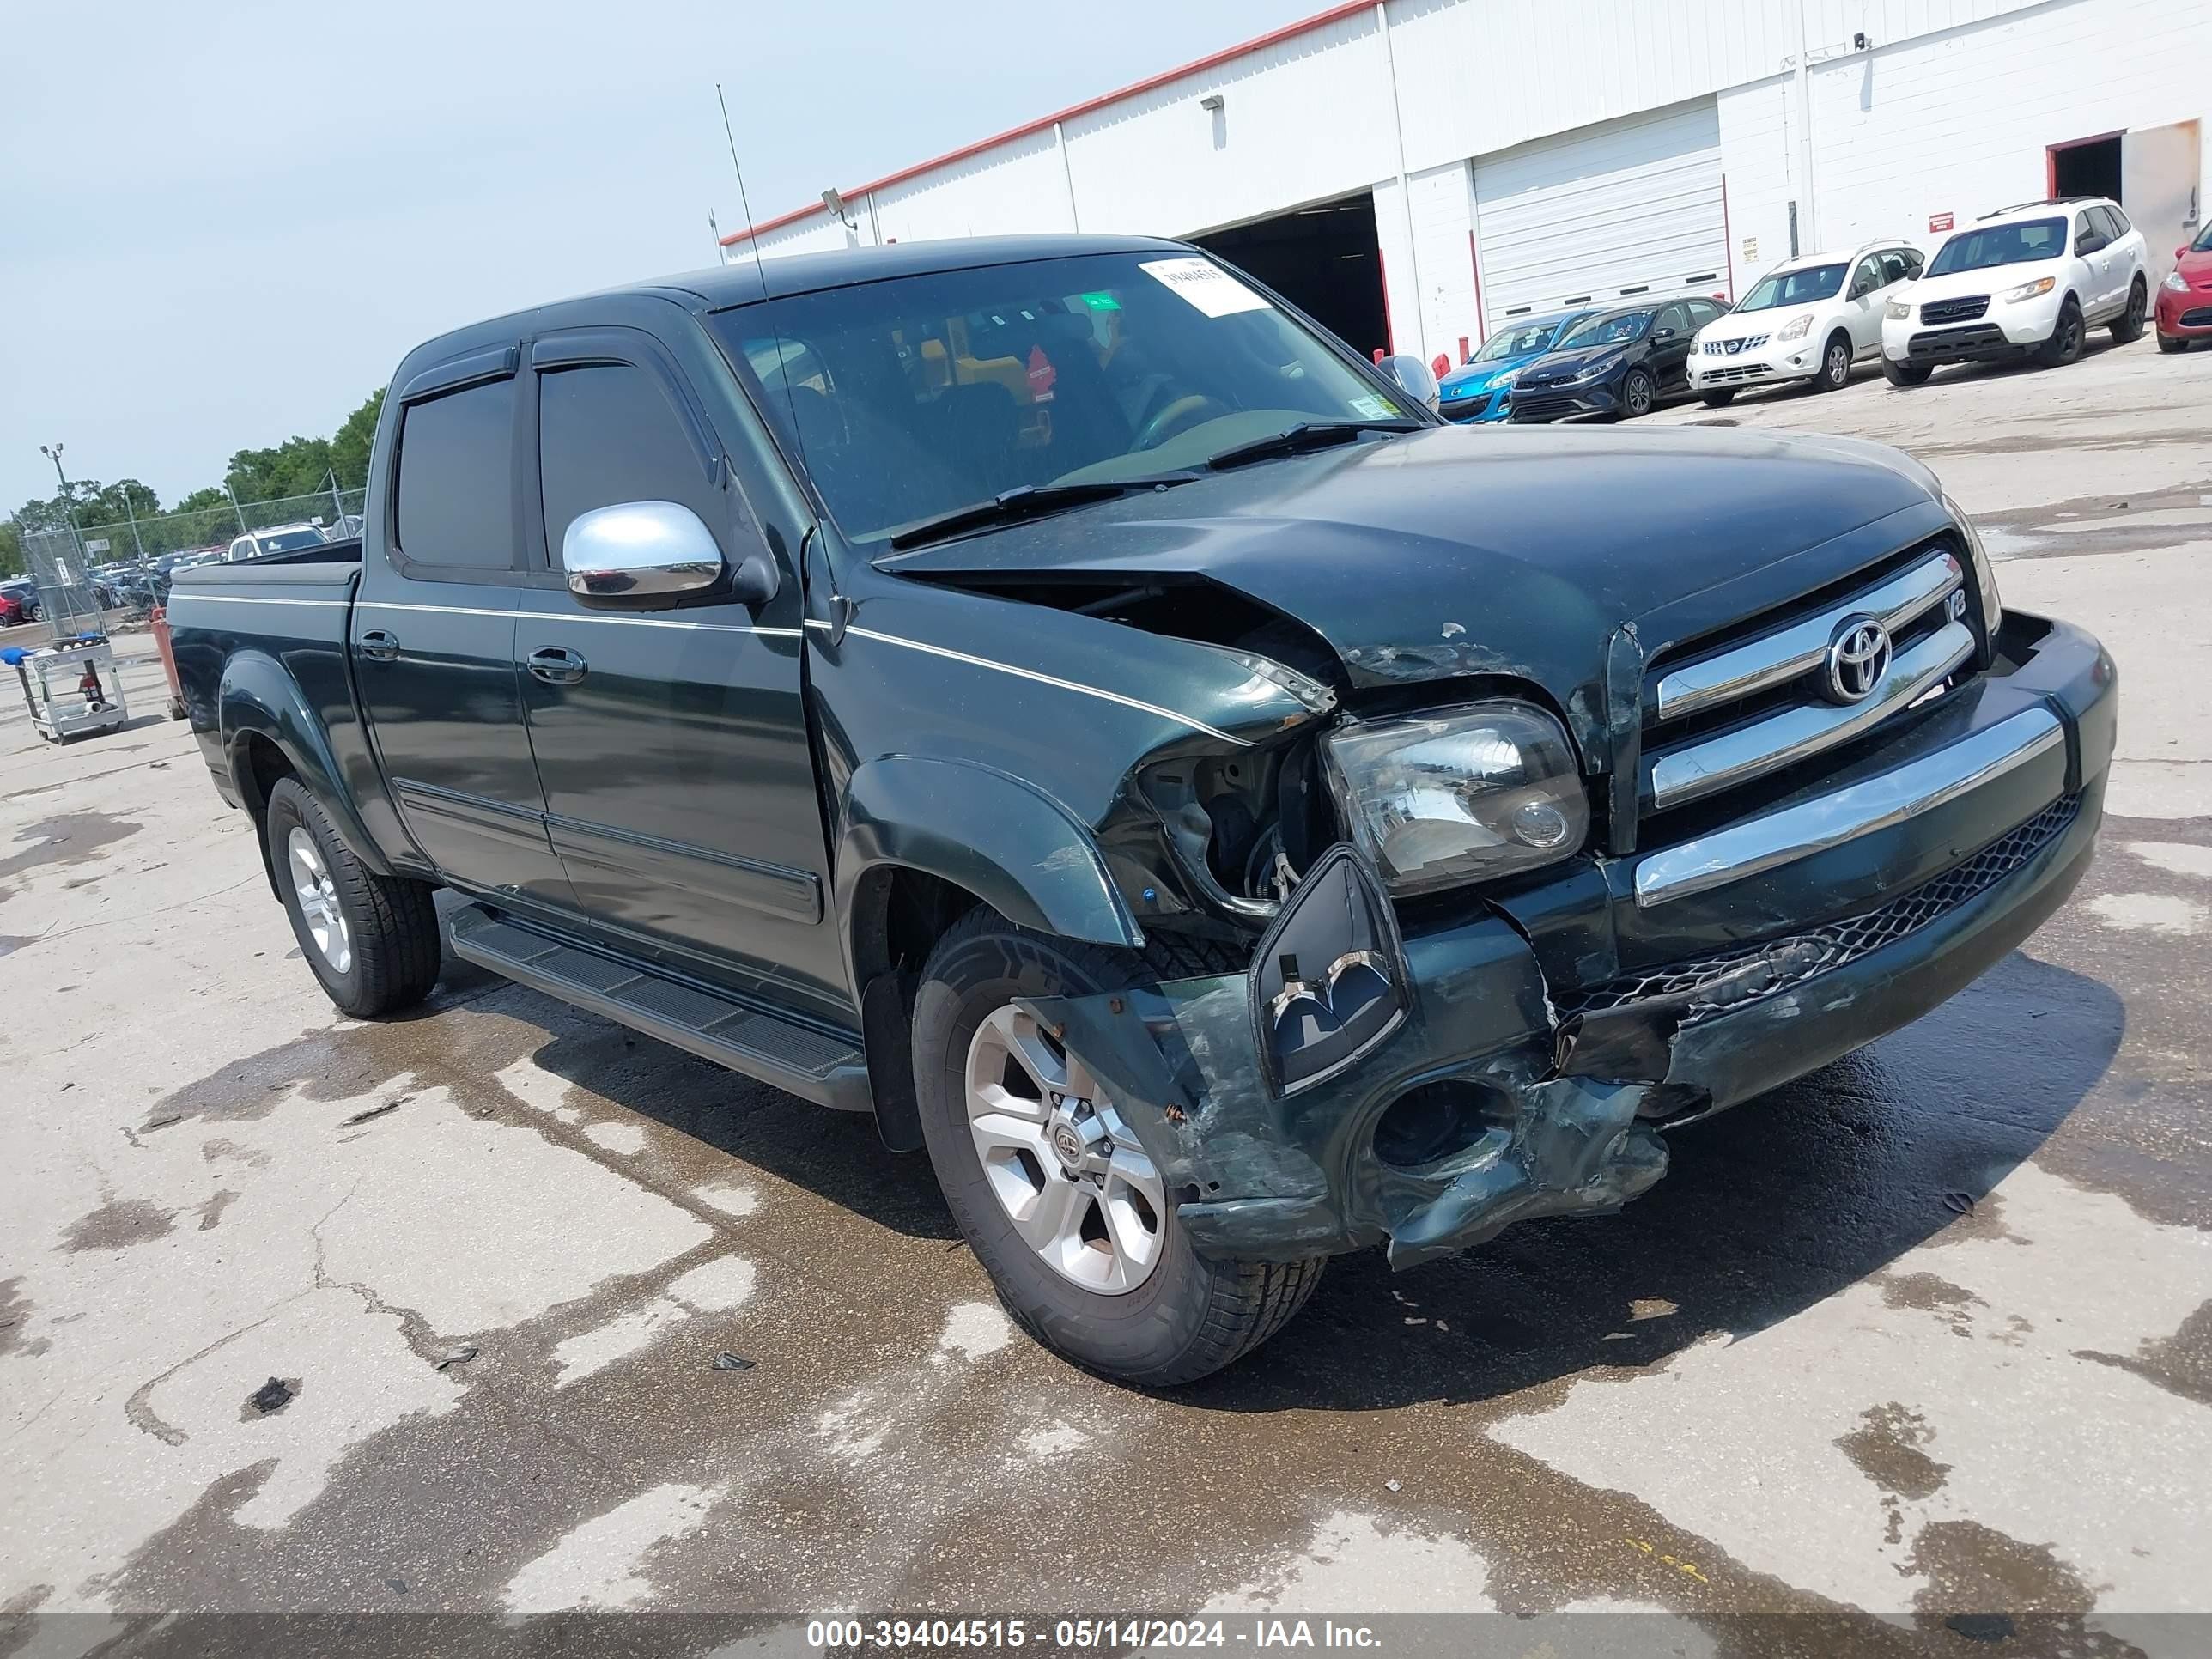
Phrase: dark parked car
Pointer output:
(1619, 363)
(1068, 707)
(19, 601)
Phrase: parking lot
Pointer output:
(500, 1309)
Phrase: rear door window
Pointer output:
(607, 433)
(456, 492)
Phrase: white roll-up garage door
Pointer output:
(1603, 215)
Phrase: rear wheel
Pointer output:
(2065, 344)
(1906, 373)
(1835, 372)
(2128, 327)
(1636, 393)
(1058, 1202)
(371, 939)
(1720, 399)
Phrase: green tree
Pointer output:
(11, 548)
(350, 448)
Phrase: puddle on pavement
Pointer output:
(1887, 1448)
(118, 1224)
(2180, 1363)
(70, 838)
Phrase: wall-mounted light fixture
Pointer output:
(1212, 101)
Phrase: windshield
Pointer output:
(286, 541)
(2203, 243)
(1520, 339)
(911, 398)
(2000, 245)
(1608, 330)
(1794, 288)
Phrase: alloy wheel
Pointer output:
(1078, 1189)
(318, 897)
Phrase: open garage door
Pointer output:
(1324, 259)
(1602, 215)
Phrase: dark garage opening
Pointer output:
(1323, 260)
(2091, 168)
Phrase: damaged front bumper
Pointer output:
(1444, 1085)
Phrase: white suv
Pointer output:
(1807, 319)
(2026, 281)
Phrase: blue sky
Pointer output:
(222, 226)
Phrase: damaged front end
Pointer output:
(1324, 1101)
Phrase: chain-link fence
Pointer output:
(85, 569)
(336, 511)
(69, 597)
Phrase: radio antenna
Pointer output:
(782, 364)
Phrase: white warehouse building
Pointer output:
(1414, 173)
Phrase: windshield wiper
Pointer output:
(1305, 435)
(1026, 502)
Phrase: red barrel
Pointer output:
(158, 625)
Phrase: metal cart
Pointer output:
(73, 689)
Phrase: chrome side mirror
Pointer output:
(1414, 377)
(638, 550)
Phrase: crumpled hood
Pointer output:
(1519, 551)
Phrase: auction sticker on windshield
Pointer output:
(1204, 284)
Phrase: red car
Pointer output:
(2184, 299)
(18, 603)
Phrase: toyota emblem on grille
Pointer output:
(1858, 657)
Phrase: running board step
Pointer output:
(809, 1063)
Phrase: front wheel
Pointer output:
(371, 939)
(2128, 327)
(1835, 371)
(2065, 344)
(1906, 373)
(1637, 393)
(1052, 1189)
(1720, 399)
(2167, 343)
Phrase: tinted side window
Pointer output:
(456, 485)
(607, 433)
(1703, 311)
(1674, 317)
(2120, 225)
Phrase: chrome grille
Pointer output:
(1727, 979)
(1776, 679)
(1963, 310)
(1723, 375)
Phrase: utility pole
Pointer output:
(55, 456)
(337, 500)
(234, 507)
(136, 540)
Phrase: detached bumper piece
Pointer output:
(1409, 1139)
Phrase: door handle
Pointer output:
(380, 647)
(556, 665)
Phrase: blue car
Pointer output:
(1476, 390)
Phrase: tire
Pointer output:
(1904, 374)
(1720, 399)
(1835, 371)
(2167, 343)
(382, 955)
(2128, 328)
(1638, 394)
(2065, 344)
(1183, 1316)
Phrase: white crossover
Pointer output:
(2026, 281)
(1806, 320)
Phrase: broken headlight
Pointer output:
(1465, 794)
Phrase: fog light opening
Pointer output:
(1436, 1121)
